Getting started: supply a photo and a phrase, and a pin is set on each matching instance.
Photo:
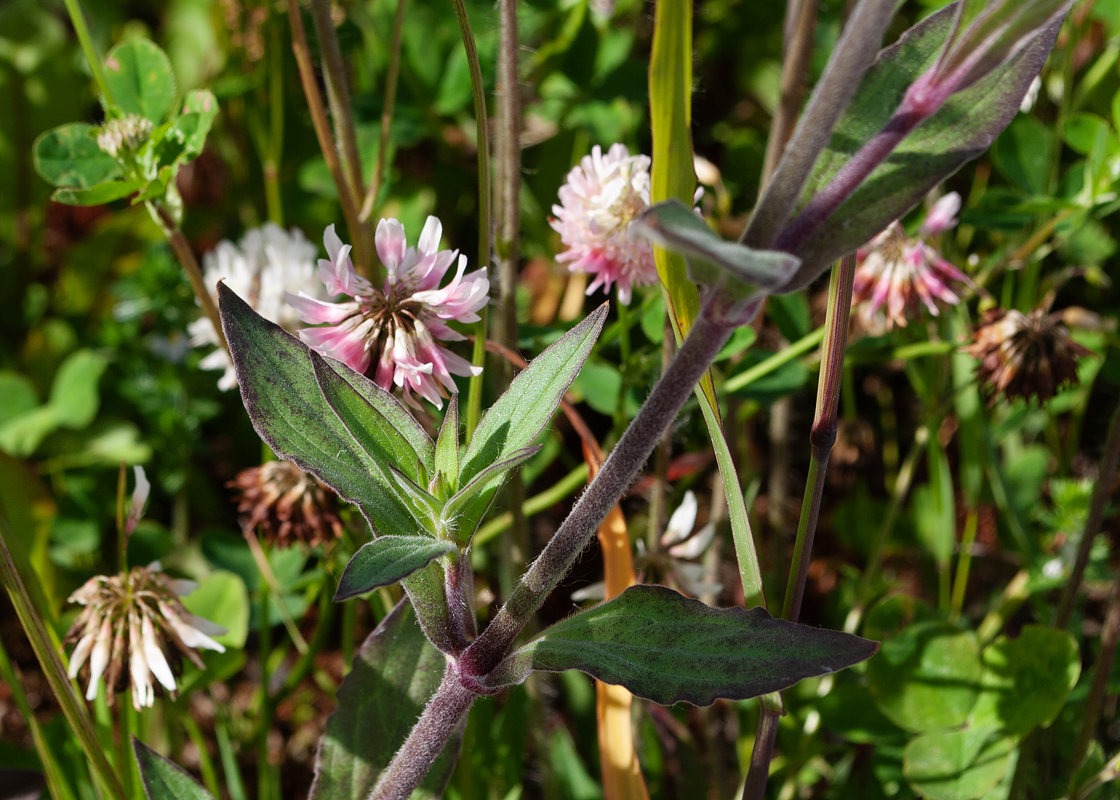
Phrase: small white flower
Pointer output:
(123, 134)
(267, 263)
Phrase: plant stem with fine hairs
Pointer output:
(801, 24)
(704, 341)
(507, 190)
(474, 392)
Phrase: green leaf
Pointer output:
(74, 396)
(202, 107)
(140, 79)
(667, 648)
(447, 447)
(288, 410)
(490, 475)
(162, 779)
(1026, 680)
(964, 127)
(394, 674)
(1022, 154)
(17, 395)
(405, 438)
(386, 560)
(221, 598)
(68, 156)
(740, 271)
(519, 415)
(927, 677)
(1081, 132)
(956, 765)
(97, 195)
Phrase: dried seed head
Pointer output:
(1024, 355)
(125, 629)
(287, 503)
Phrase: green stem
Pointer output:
(759, 371)
(230, 767)
(56, 782)
(534, 505)
(78, 20)
(205, 762)
(391, 79)
(964, 562)
(478, 356)
(264, 768)
(53, 669)
(275, 150)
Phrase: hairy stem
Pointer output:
(1110, 460)
(322, 127)
(507, 190)
(447, 707)
(391, 79)
(703, 343)
(478, 90)
(801, 24)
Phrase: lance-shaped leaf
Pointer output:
(742, 272)
(984, 40)
(394, 674)
(288, 410)
(667, 648)
(386, 560)
(164, 780)
(140, 79)
(68, 156)
(963, 128)
(468, 501)
(447, 447)
(519, 415)
(370, 429)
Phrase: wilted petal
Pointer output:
(695, 547)
(682, 521)
(156, 661)
(99, 658)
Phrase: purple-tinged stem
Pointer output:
(704, 341)
(922, 99)
(447, 707)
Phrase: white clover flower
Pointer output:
(601, 198)
(398, 325)
(261, 268)
(123, 134)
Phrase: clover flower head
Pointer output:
(1024, 355)
(396, 329)
(123, 134)
(900, 274)
(288, 504)
(133, 628)
(600, 199)
(266, 263)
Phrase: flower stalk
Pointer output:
(369, 205)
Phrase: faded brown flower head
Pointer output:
(124, 630)
(288, 504)
(1025, 355)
